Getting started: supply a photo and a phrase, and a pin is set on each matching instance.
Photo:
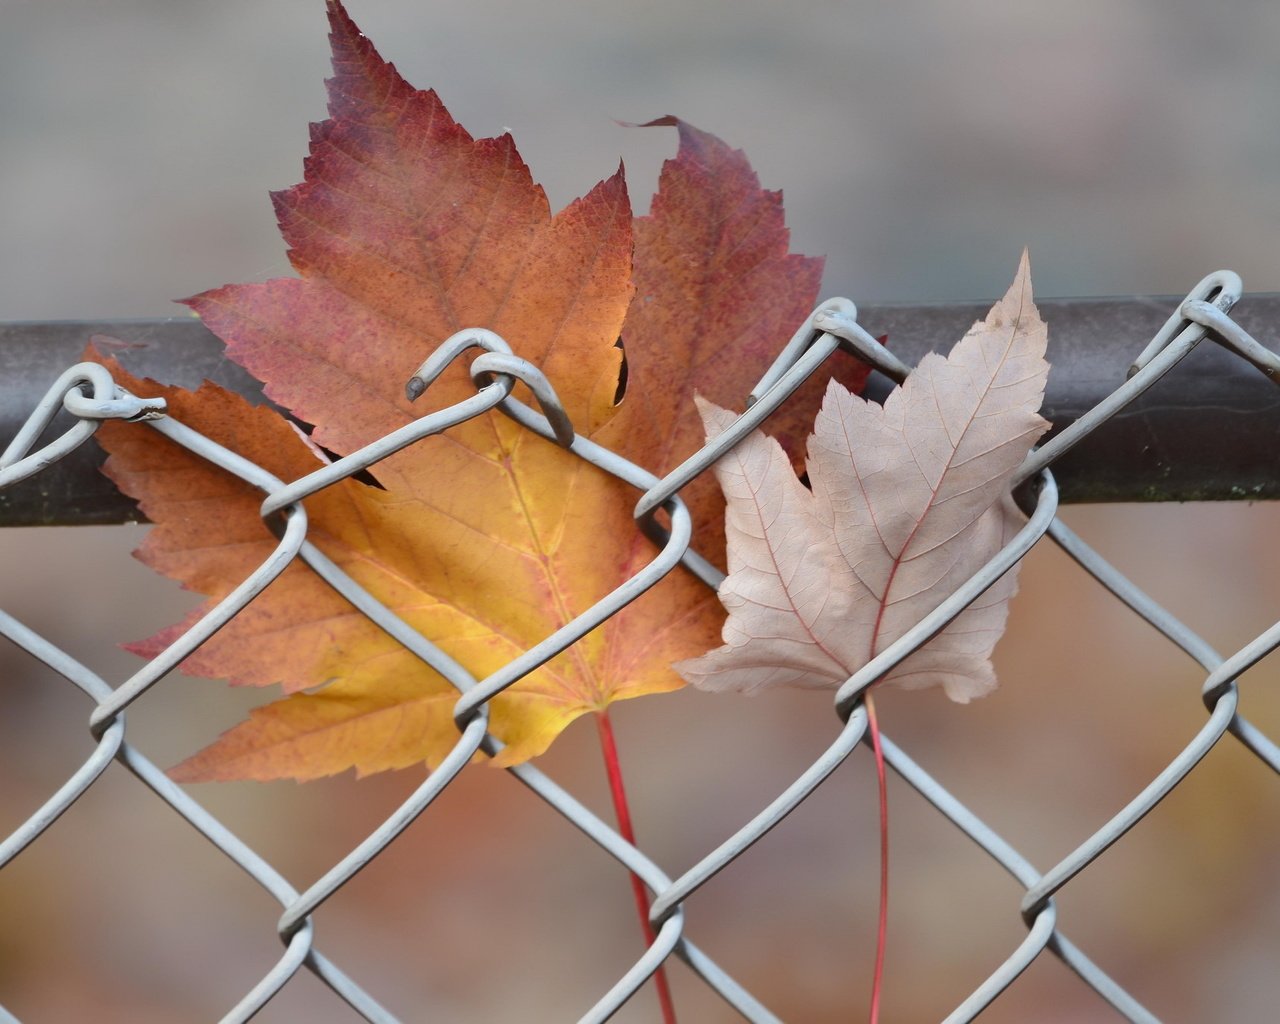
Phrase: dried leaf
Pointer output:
(405, 231)
(486, 539)
(906, 504)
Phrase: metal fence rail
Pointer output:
(1223, 423)
(1211, 436)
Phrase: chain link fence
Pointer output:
(1090, 416)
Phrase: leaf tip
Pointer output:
(665, 121)
(1017, 307)
(340, 22)
(715, 420)
(1023, 273)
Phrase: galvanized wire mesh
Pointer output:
(90, 395)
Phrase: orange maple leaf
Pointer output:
(486, 538)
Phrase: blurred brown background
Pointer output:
(1133, 145)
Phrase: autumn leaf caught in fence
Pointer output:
(905, 503)
(485, 538)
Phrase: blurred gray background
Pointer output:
(1133, 145)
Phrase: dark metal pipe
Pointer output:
(1210, 430)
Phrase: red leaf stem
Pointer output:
(882, 925)
(613, 768)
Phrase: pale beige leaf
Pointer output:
(908, 501)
